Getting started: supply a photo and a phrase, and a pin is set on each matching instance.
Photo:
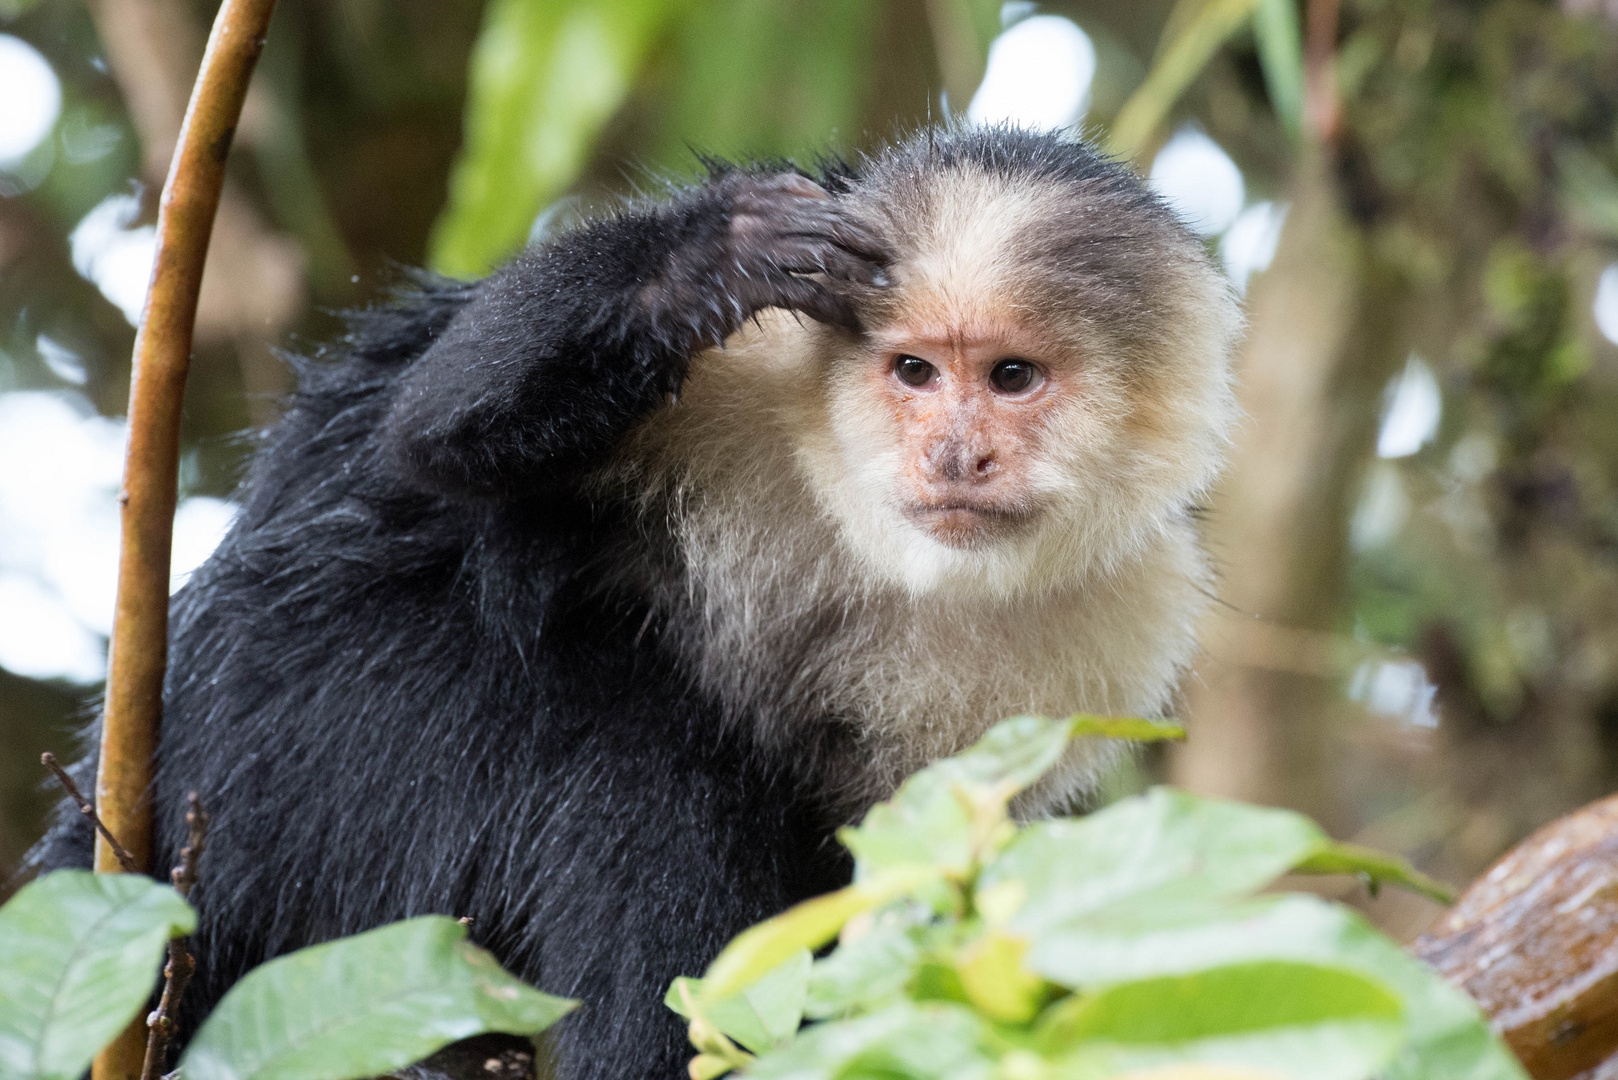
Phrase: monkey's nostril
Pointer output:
(986, 467)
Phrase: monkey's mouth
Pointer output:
(966, 524)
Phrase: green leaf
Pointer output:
(1280, 54)
(1203, 27)
(1163, 845)
(1447, 1037)
(544, 80)
(1129, 942)
(1298, 1020)
(995, 979)
(79, 956)
(363, 1006)
(809, 925)
(943, 815)
(865, 972)
(905, 1041)
(1338, 858)
(764, 1014)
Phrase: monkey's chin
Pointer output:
(960, 560)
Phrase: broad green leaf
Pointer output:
(761, 1016)
(865, 972)
(1128, 942)
(1163, 845)
(1298, 1020)
(1280, 54)
(363, 1006)
(1225, 1000)
(79, 956)
(995, 980)
(544, 80)
(1338, 858)
(1203, 27)
(1447, 1036)
(809, 925)
(905, 1041)
(1331, 1050)
(947, 814)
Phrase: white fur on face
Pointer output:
(1121, 453)
(807, 594)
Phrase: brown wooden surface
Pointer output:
(139, 649)
(1535, 942)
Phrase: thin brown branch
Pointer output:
(182, 965)
(125, 859)
(139, 651)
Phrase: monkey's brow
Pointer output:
(952, 336)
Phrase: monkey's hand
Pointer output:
(770, 240)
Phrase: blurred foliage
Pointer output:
(1478, 152)
(1117, 944)
(544, 78)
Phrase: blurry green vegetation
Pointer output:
(1119, 944)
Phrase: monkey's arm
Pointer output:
(563, 351)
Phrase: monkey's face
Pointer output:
(1043, 388)
(968, 405)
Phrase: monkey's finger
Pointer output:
(816, 256)
(819, 303)
(837, 229)
(862, 241)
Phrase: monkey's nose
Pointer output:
(963, 464)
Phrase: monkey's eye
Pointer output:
(914, 371)
(1014, 376)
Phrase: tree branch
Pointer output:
(139, 651)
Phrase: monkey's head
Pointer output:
(1042, 385)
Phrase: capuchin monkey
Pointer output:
(587, 600)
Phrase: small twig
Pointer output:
(185, 875)
(125, 859)
(182, 965)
